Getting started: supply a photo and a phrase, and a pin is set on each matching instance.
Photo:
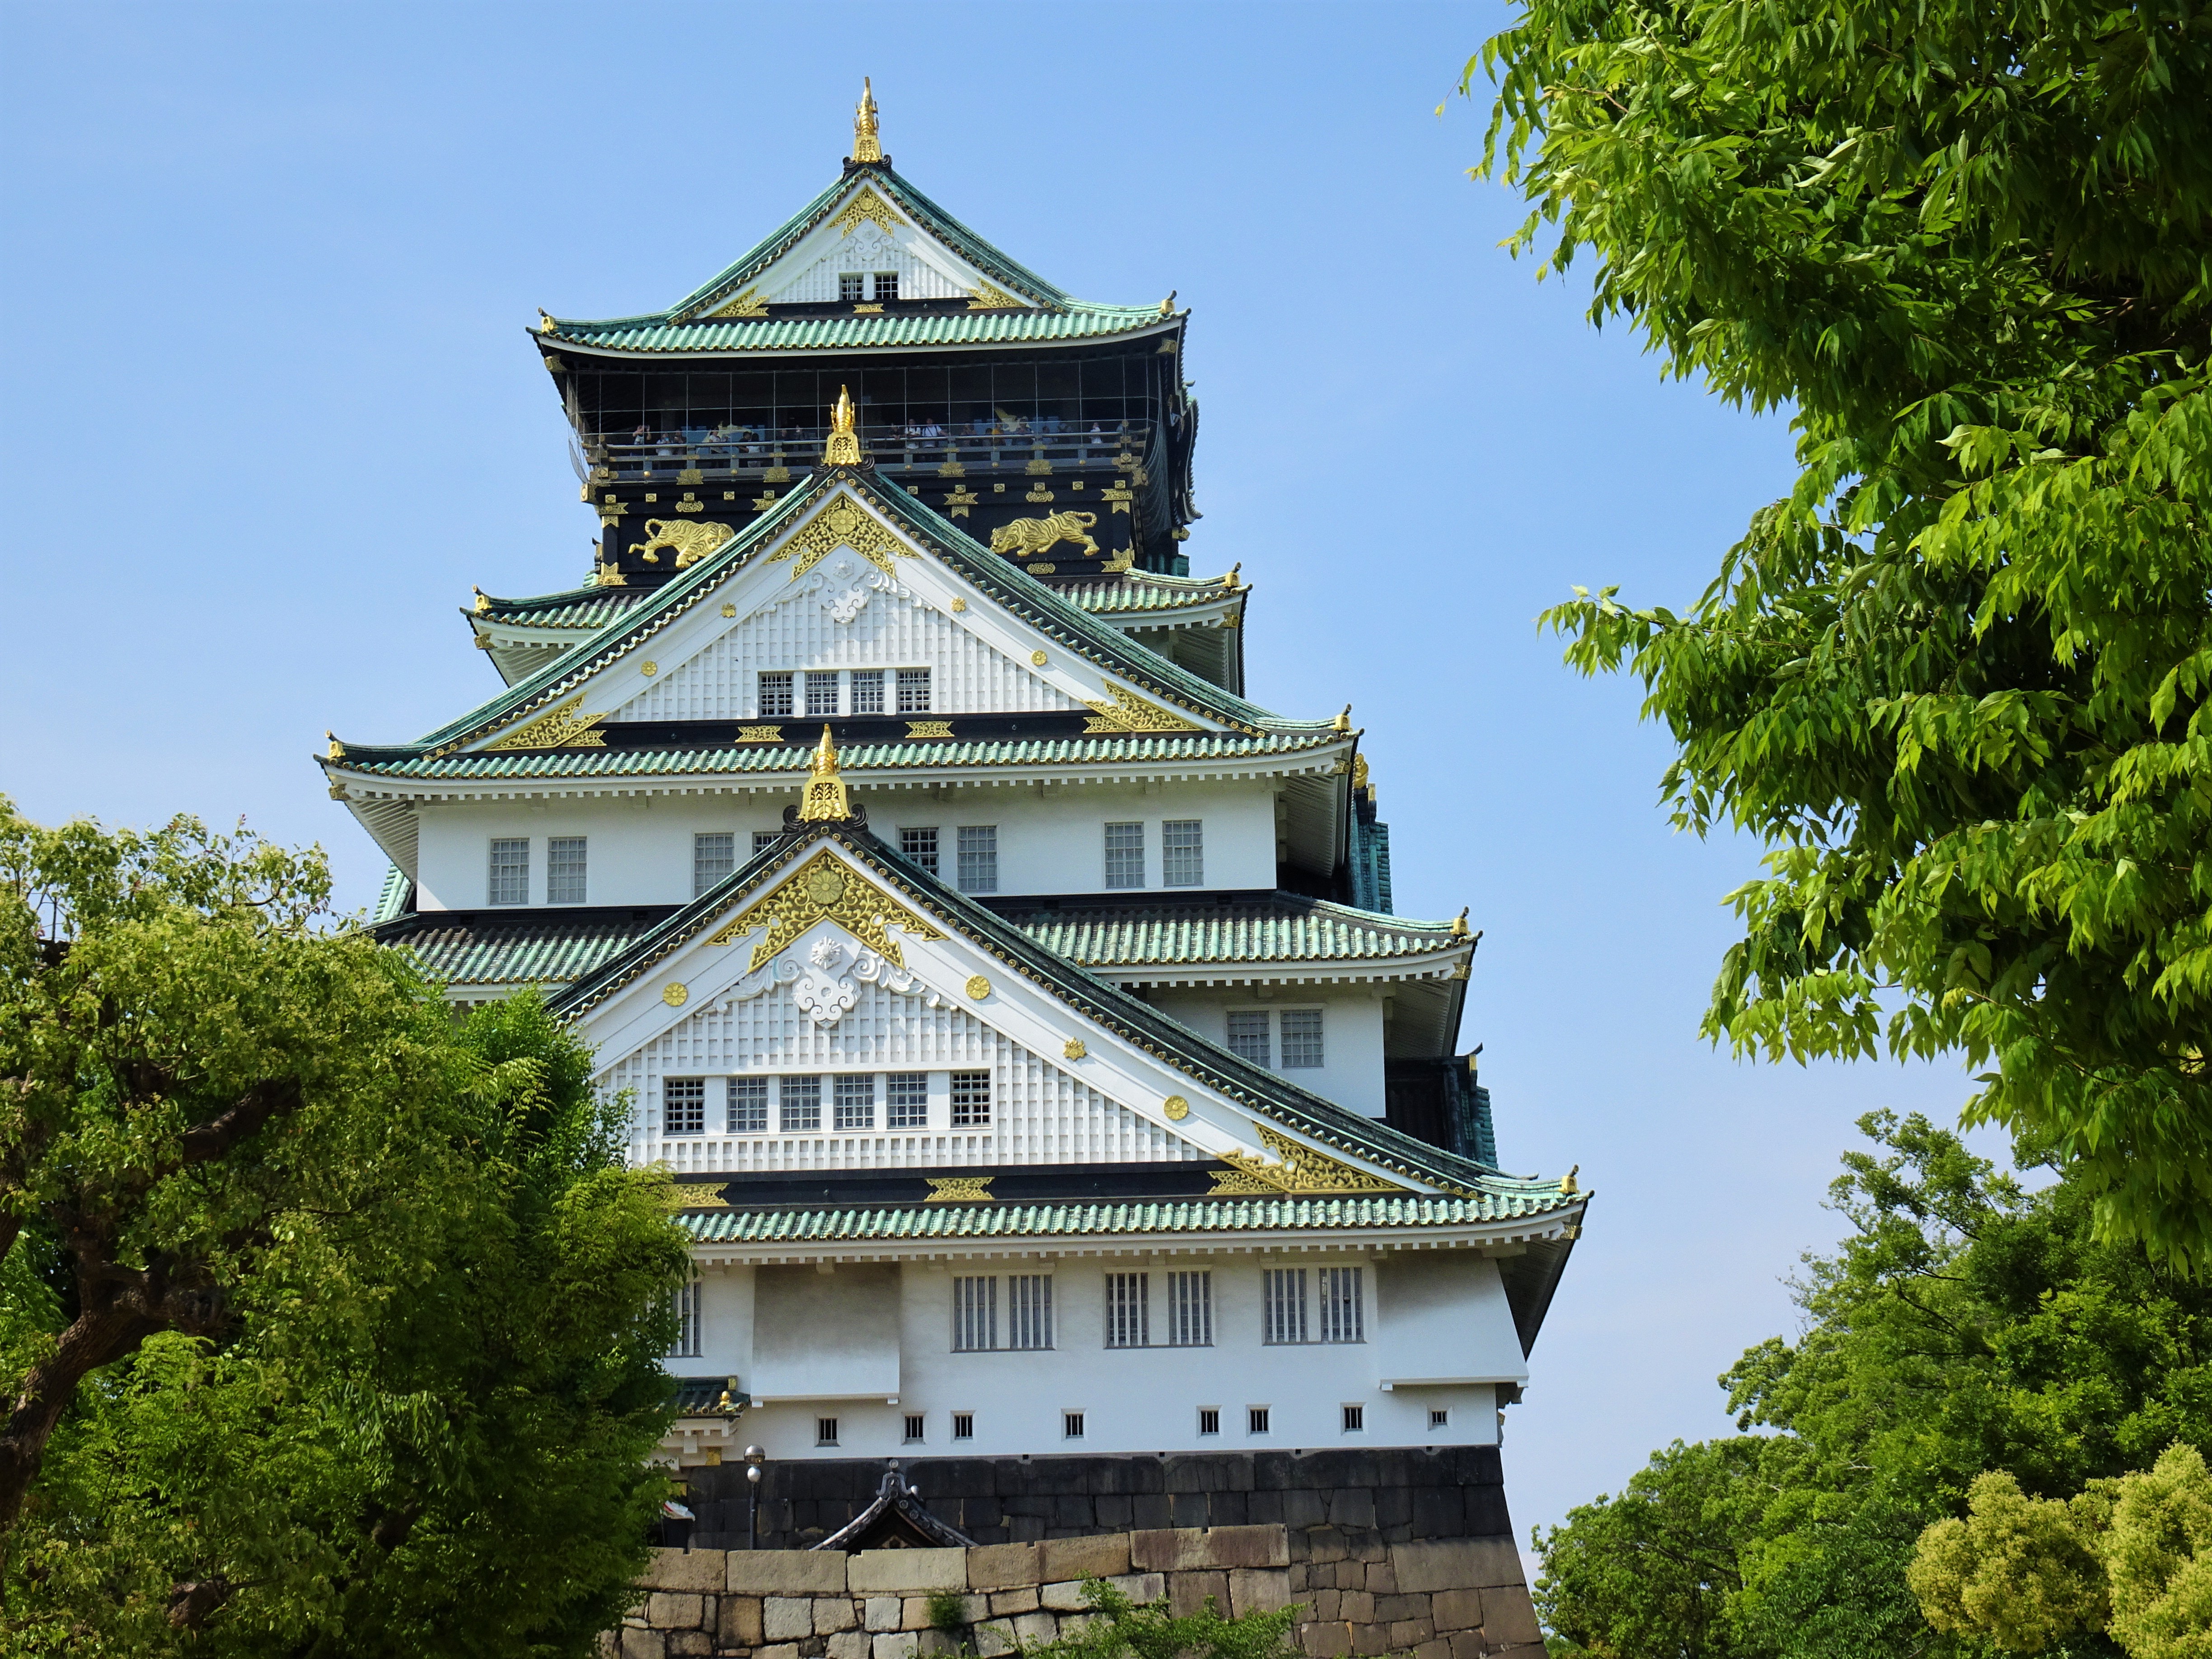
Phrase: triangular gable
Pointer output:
(807, 929)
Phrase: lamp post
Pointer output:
(754, 1457)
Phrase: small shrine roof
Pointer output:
(580, 608)
(1276, 926)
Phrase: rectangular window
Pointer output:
(974, 1315)
(1440, 1420)
(1190, 1310)
(849, 286)
(1209, 1419)
(799, 1103)
(1301, 1039)
(764, 839)
(906, 1100)
(913, 691)
(1256, 1419)
(683, 1105)
(1028, 1311)
(1182, 853)
(564, 870)
(1128, 1311)
(855, 1102)
(1247, 1035)
(963, 1425)
(1283, 1311)
(821, 693)
(825, 1430)
(914, 1424)
(921, 846)
(775, 694)
(971, 1099)
(712, 857)
(1125, 855)
(886, 285)
(510, 871)
(867, 691)
(979, 858)
(1071, 1425)
(1343, 1310)
(688, 1330)
(1355, 1418)
(748, 1106)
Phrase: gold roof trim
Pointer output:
(867, 134)
(825, 889)
(565, 727)
(1300, 1170)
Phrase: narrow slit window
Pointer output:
(1028, 1311)
(1071, 1425)
(915, 1422)
(825, 1430)
(963, 1425)
(886, 284)
(849, 286)
(971, 1099)
(1355, 1418)
(564, 870)
(713, 855)
(1190, 1310)
(1440, 1420)
(906, 1100)
(800, 1105)
(974, 1314)
(1209, 1419)
(1256, 1419)
(775, 694)
(979, 858)
(921, 846)
(1302, 1049)
(867, 691)
(855, 1102)
(510, 871)
(821, 694)
(689, 1330)
(1125, 855)
(748, 1113)
(913, 691)
(1343, 1308)
(1129, 1310)
(1247, 1035)
(683, 1105)
(1284, 1305)
(1182, 853)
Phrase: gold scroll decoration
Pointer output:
(866, 206)
(988, 296)
(1031, 537)
(696, 1197)
(748, 304)
(825, 889)
(692, 541)
(960, 1190)
(841, 524)
(565, 728)
(1130, 713)
(1299, 1170)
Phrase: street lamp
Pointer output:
(754, 1457)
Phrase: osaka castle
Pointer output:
(1017, 1001)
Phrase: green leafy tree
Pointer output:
(406, 1405)
(1123, 1628)
(1958, 679)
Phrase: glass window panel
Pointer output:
(564, 870)
(979, 858)
(913, 691)
(1028, 1311)
(855, 1102)
(510, 871)
(1343, 1308)
(1128, 1311)
(867, 691)
(971, 1099)
(821, 693)
(683, 1105)
(1190, 1310)
(1302, 1045)
(1283, 1308)
(974, 1315)
(1125, 855)
(774, 694)
(906, 1100)
(763, 840)
(748, 1106)
(1247, 1035)
(799, 1101)
(1182, 853)
(921, 846)
(713, 855)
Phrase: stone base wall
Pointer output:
(1405, 1494)
(1436, 1598)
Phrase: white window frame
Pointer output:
(1125, 857)
(1190, 1309)
(713, 856)
(775, 693)
(866, 680)
(850, 1113)
(1283, 1322)
(1265, 1032)
(978, 855)
(751, 1095)
(686, 1094)
(926, 856)
(1182, 853)
(830, 680)
(1129, 1310)
(510, 868)
(904, 1092)
(787, 1107)
(690, 1326)
(1343, 1298)
(1320, 1050)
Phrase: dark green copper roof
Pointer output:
(1264, 928)
(520, 947)
(580, 608)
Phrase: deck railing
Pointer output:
(751, 452)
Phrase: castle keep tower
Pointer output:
(1056, 1100)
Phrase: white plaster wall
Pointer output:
(1050, 841)
(1352, 1035)
(1443, 1318)
(725, 1326)
(1137, 1399)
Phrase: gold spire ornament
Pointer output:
(483, 600)
(825, 800)
(867, 145)
(843, 449)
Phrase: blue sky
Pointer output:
(273, 412)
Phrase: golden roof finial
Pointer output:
(545, 322)
(1342, 722)
(1568, 1183)
(337, 750)
(1229, 582)
(867, 145)
(1459, 923)
(843, 449)
(483, 599)
(825, 798)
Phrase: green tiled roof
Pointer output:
(392, 896)
(578, 608)
(549, 950)
(1278, 928)
(1109, 748)
(1139, 592)
(1505, 1200)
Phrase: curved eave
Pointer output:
(914, 331)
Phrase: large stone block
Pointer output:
(1458, 1609)
(779, 1650)
(642, 1644)
(994, 1637)
(1357, 1608)
(1468, 1645)
(1034, 1630)
(787, 1617)
(849, 1645)
(700, 1571)
(739, 1625)
(1084, 1557)
(1066, 1597)
(1456, 1564)
(895, 1644)
(878, 1572)
(882, 1612)
(689, 1644)
(1002, 1566)
(1411, 1633)
(1392, 1608)
(1188, 1592)
(1259, 1589)
(1324, 1641)
(667, 1610)
(833, 1614)
(786, 1573)
(1191, 1549)
(1353, 1507)
(1371, 1638)
(1508, 1618)
(1007, 1603)
(1437, 1648)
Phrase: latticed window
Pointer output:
(1282, 1305)
(971, 1099)
(915, 1421)
(1247, 1035)
(825, 1430)
(1129, 1310)
(886, 284)
(510, 871)
(690, 1333)
(856, 1103)
(1182, 853)
(775, 693)
(564, 870)
(1125, 855)
(979, 858)
(1343, 1311)
(963, 1425)
(799, 1105)
(1209, 1419)
(1028, 1311)
(921, 846)
(748, 1114)
(913, 691)
(821, 693)
(1071, 1425)
(906, 1100)
(763, 840)
(867, 691)
(1190, 1310)
(1256, 1419)
(713, 855)
(849, 284)
(1355, 1418)
(683, 1105)
(1301, 1038)
(974, 1315)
